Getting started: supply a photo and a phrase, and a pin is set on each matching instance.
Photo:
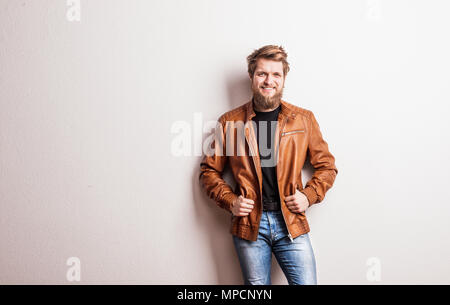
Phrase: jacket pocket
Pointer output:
(287, 133)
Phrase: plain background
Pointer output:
(88, 107)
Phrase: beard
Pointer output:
(266, 102)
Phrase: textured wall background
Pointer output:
(88, 107)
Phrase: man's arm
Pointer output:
(211, 170)
(322, 161)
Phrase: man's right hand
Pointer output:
(242, 206)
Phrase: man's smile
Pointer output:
(268, 89)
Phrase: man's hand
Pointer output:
(297, 203)
(242, 206)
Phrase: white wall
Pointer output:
(86, 167)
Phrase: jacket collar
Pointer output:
(285, 110)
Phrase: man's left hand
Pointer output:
(297, 203)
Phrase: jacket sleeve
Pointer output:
(323, 161)
(211, 170)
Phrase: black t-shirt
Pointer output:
(265, 133)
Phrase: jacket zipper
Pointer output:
(250, 146)
(291, 132)
(278, 150)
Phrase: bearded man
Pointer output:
(269, 201)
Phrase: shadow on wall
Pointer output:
(210, 217)
(216, 222)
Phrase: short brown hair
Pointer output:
(271, 52)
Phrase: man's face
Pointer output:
(267, 84)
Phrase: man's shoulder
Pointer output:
(298, 110)
(237, 113)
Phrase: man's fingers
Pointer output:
(289, 203)
(246, 205)
(246, 200)
(291, 207)
(249, 201)
(247, 211)
(294, 209)
(289, 198)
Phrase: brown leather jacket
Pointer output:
(298, 134)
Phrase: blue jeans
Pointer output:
(296, 258)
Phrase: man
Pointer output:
(269, 202)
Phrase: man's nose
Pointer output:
(268, 81)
